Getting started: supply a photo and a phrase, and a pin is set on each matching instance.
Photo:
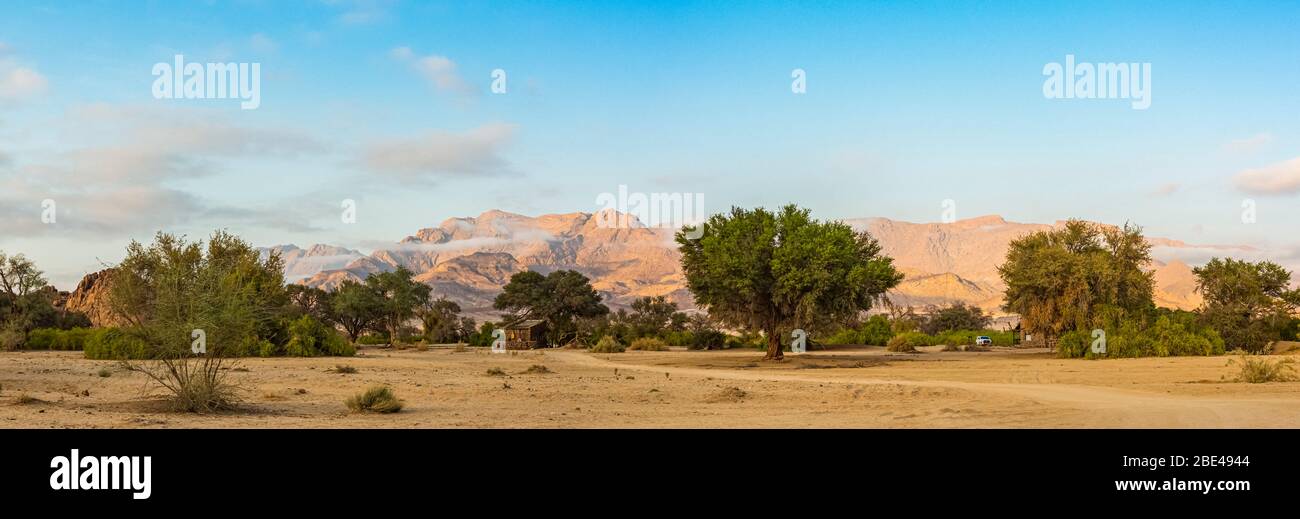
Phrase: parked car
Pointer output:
(983, 340)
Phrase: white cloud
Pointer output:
(1249, 144)
(18, 82)
(121, 185)
(440, 153)
(440, 71)
(1275, 179)
(1166, 189)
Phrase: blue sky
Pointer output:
(388, 103)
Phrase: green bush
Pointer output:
(113, 344)
(58, 340)
(1166, 336)
(875, 331)
(648, 344)
(608, 344)
(309, 337)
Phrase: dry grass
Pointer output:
(26, 399)
(1258, 371)
(727, 395)
(343, 369)
(648, 344)
(377, 399)
(537, 369)
(496, 372)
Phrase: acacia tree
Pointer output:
(557, 298)
(440, 320)
(356, 307)
(171, 290)
(1250, 304)
(401, 295)
(772, 272)
(1057, 279)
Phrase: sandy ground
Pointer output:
(862, 387)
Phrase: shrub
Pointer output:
(608, 344)
(104, 373)
(537, 369)
(344, 370)
(113, 344)
(253, 346)
(901, 343)
(11, 340)
(648, 344)
(377, 399)
(309, 337)
(196, 384)
(1258, 371)
(708, 340)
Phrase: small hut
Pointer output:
(526, 335)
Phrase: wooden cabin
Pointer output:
(526, 335)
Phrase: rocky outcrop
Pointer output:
(91, 298)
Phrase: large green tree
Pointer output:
(355, 307)
(1250, 304)
(1057, 279)
(559, 298)
(772, 272)
(401, 295)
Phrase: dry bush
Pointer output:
(537, 369)
(608, 344)
(648, 344)
(460, 348)
(730, 394)
(195, 384)
(496, 372)
(1258, 371)
(104, 373)
(343, 370)
(26, 399)
(900, 344)
(377, 399)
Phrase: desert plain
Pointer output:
(848, 387)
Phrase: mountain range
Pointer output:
(468, 260)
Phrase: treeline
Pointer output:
(1082, 287)
(27, 303)
(904, 329)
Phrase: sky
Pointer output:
(390, 104)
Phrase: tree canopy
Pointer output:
(772, 272)
(1056, 279)
(557, 298)
(1250, 304)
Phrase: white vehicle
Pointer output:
(983, 340)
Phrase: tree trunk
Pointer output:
(774, 347)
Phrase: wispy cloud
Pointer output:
(1166, 189)
(361, 12)
(1282, 178)
(123, 184)
(440, 71)
(1249, 144)
(441, 153)
(17, 81)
